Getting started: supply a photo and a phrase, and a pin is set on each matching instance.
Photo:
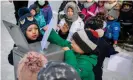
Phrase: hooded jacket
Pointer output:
(75, 23)
(89, 12)
(112, 30)
(41, 21)
(47, 13)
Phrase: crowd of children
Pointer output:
(87, 32)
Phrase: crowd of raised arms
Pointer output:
(87, 30)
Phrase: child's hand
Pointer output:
(65, 48)
(115, 42)
(45, 28)
(65, 28)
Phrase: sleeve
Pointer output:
(42, 21)
(81, 25)
(63, 4)
(84, 12)
(70, 58)
(56, 39)
(49, 15)
(116, 30)
(92, 10)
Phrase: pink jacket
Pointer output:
(100, 9)
(90, 11)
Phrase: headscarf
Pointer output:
(75, 11)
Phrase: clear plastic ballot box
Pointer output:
(53, 52)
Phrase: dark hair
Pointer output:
(95, 22)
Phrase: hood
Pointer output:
(75, 11)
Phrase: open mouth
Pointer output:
(34, 36)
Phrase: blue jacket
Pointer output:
(112, 30)
(40, 20)
(47, 13)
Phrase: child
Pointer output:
(34, 66)
(113, 27)
(126, 19)
(105, 50)
(63, 4)
(71, 23)
(82, 53)
(46, 9)
(89, 9)
(29, 28)
(100, 7)
(38, 15)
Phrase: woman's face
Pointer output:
(32, 32)
(76, 48)
(33, 12)
(70, 12)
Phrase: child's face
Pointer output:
(126, 7)
(100, 3)
(89, 0)
(32, 32)
(70, 12)
(76, 48)
(33, 12)
(110, 17)
(111, 1)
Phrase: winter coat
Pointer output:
(83, 64)
(128, 18)
(100, 9)
(75, 26)
(89, 12)
(112, 30)
(40, 20)
(47, 13)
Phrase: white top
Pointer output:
(76, 26)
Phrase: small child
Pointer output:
(71, 23)
(89, 9)
(82, 52)
(105, 50)
(113, 27)
(126, 19)
(46, 9)
(38, 15)
(29, 26)
(100, 7)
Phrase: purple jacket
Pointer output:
(47, 12)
